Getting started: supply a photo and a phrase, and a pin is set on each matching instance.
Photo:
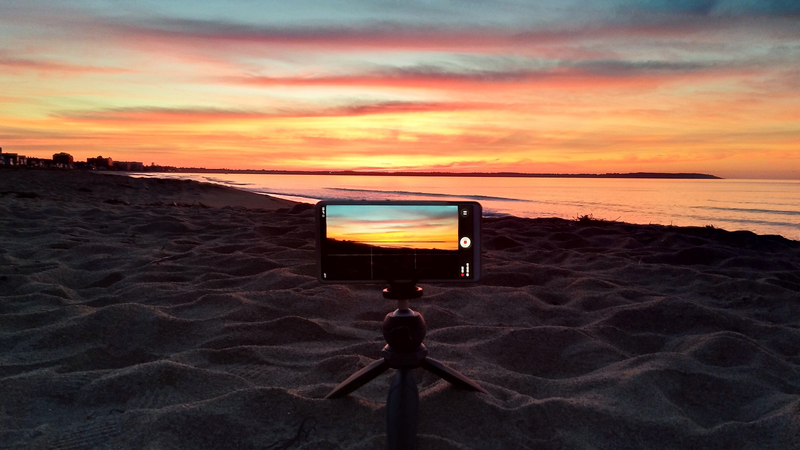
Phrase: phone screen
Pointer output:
(398, 241)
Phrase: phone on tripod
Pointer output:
(398, 241)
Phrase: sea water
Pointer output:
(761, 206)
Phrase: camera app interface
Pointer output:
(397, 242)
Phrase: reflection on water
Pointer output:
(762, 206)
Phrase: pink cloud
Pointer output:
(194, 115)
(54, 67)
(587, 74)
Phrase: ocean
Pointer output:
(761, 206)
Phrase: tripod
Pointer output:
(404, 331)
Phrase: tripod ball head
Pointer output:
(404, 330)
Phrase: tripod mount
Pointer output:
(404, 331)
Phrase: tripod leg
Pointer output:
(402, 406)
(451, 375)
(359, 379)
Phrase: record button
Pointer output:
(465, 242)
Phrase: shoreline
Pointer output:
(133, 314)
(779, 228)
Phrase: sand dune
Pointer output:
(143, 314)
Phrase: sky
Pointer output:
(552, 86)
(421, 227)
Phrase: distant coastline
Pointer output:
(653, 175)
(171, 169)
(66, 161)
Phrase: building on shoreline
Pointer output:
(64, 160)
(101, 163)
(12, 159)
(40, 162)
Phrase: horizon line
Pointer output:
(655, 175)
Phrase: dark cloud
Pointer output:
(679, 6)
(430, 76)
(373, 34)
(627, 68)
(686, 24)
(720, 7)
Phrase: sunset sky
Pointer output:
(421, 227)
(546, 86)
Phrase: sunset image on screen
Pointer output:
(417, 227)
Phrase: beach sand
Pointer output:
(141, 313)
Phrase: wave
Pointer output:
(430, 194)
(226, 182)
(290, 197)
(710, 220)
(751, 210)
(760, 202)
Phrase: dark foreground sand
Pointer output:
(133, 317)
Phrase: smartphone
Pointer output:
(398, 241)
